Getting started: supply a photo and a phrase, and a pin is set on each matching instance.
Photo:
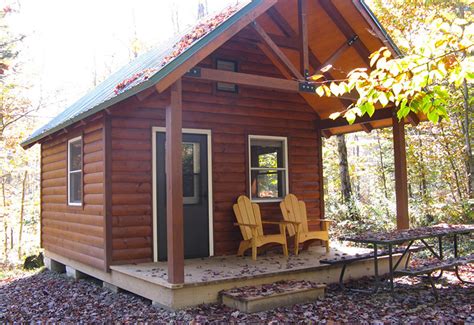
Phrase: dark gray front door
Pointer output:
(195, 195)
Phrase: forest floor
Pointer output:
(45, 296)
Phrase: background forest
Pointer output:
(358, 168)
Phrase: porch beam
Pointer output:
(286, 74)
(281, 56)
(251, 80)
(380, 114)
(401, 176)
(281, 22)
(367, 127)
(174, 186)
(314, 63)
(326, 133)
(247, 79)
(341, 49)
(303, 31)
(345, 28)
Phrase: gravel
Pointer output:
(50, 297)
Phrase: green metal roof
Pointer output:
(106, 95)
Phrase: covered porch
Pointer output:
(205, 278)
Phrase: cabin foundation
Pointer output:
(75, 274)
(232, 272)
(110, 286)
(54, 266)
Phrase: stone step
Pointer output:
(252, 299)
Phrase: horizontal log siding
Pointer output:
(231, 117)
(70, 231)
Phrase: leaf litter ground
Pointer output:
(50, 297)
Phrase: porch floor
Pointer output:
(224, 268)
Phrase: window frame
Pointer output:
(284, 140)
(236, 69)
(69, 172)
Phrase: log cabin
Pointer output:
(146, 167)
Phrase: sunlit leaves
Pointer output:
(442, 57)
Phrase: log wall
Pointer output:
(76, 232)
(231, 118)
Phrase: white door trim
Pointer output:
(154, 130)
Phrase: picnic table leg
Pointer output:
(440, 246)
(441, 256)
(455, 245)
(390, 266)
(341, 277)
(376, 268)
(456, 268)
(433, 287)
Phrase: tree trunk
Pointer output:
(382, 172)
(449, 156)
(467, 139)
(346, 188)
(5, 224)
(424, 184)
(22, 212)
(382, 167)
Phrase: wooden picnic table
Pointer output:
(407, 238)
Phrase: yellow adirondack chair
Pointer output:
(294, 212)
(250, 222)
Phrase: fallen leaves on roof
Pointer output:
(199, 31)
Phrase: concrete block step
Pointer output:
(252, 299)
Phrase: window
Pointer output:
(268, 168)
(74, 167)
(191, 172)
(227, 66)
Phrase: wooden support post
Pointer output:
(303, 29)
(174, 186)
(401, 177)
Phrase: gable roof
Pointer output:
(175, 56)
(146, 70)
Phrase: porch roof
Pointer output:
(170, 60)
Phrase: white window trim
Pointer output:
(285, 161)
(79, 138)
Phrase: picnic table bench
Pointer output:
(407, 238)
(345, 259)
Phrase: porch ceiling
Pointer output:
(331, 24)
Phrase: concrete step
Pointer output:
(252, 299)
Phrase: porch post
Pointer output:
(401, 177)
(174, 186)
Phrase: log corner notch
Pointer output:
(174, 186)
(401, 175)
